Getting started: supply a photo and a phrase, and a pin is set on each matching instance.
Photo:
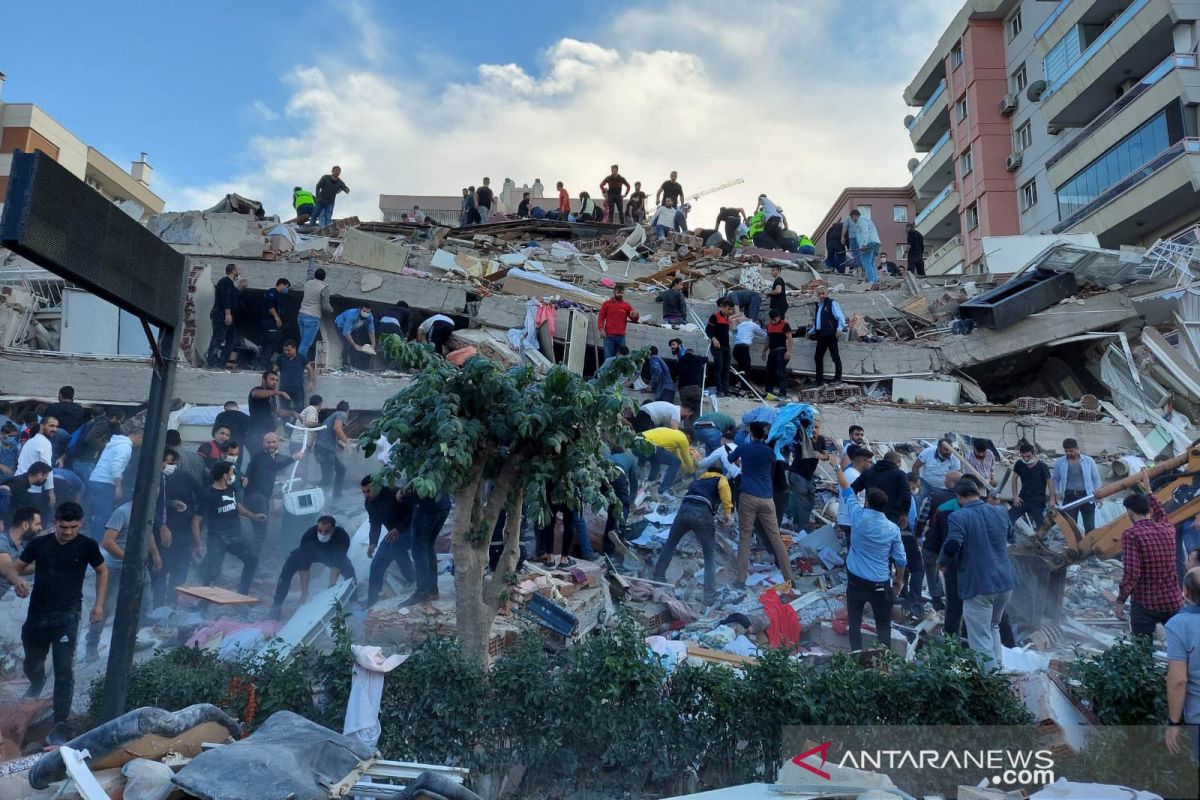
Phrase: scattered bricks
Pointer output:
(1047, 407)
(831, 393)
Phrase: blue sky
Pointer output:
(246, 97)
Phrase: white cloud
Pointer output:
(801, 100)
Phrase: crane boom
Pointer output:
(719, 187)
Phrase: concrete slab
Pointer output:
(373, 251)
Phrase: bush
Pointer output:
(1123, 685)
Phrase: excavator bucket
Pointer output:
(1042, 578)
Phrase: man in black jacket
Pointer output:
(916, 250)
(689, 377)
(221, 345)
(324, 543)
(70, 415)
(887, 475)
(386, 511)
(717, 331)
(674, 303)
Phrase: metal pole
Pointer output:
(141, 519)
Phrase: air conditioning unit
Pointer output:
(1013, 161)
(1008, 104)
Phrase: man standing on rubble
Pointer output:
(932, 539)
(564, 202)
(933, 463)
(55, 604)
(105, 488)
(663, 219)
(887, 476)
(221, 345)
(272, 321)
(689, 376)
(1149, 578)
(428, 516)
(218, 508)
(745, 331)
(916, 250)
(673, 302)
(1076, 477)
(113, 543)
(828, 324)
(484, 196)
(264, 466)
(357, 327)
(328, 189)
(708, 495)
(637, 204)
(756, 503)
(835, 250)
(614, 315)
(324, 543)
(861, 230)
(70, 415)
(777, 353)
(263, 403)
(977, 548)
(1032, 485)
(1183, 665)
(717, 331)
(615, 187)
(389, 513)
(314, 302)
(295, 375)
(670, 190)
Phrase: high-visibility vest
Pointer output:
(303, 198)
(805, 241)
(757, 225)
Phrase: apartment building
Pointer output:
(27, 127)
(1036, 117)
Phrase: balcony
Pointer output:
(1177, 77)
(931, 121)
(1134, 43)
(947, 259)
(924, 83)
(1152, 196)
(936, 169)
(938, 221)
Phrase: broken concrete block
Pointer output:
(909, 390)
(376, 252)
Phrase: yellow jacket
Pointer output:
(673, 441)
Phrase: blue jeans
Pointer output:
(83, 469)
(661, 231)
(807, 249)
(323, 214)
(709, 437)
(612, 344)
(581, 533)
(101, 500)
(869, 255)
(1187, 538)
(309, 326)
(670, 464)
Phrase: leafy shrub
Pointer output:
(1123, 685)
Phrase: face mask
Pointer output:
(8, 440)
(1030, 460)
(168, 469)
(284, 290)
(365, 314)
(231, 459)
(324, 538)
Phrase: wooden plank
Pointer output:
(217, 595)
(718, 657)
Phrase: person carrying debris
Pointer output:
(708, 495)
(614, 316)
(869, 578)
(862, 231)
(55, 606)
(264, 466)
(717, 331)
(1076, 477)
(314, 303)
(615, 187)
(748, 302)
(220, 347)
(674, 303)
(305, 204)
(328, 189)
(324, 543)
(391, 511)
(977, 549)
(756, 502)
(219, 511)
(357, 327)
(828, 324)
(1148, 578)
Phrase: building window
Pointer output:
(865, 211)
(1023, 137)
(1029, 195)
(1014, 25)
(899, 213)
(960, 110)
(965, 163)
(956, 56)
(1122, 160)
(901, 252)
(1065, 53)
(1019, 79)
(972, 217)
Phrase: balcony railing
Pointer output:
(1172, 63)
(934, 203)
(1055, 14)
(1101, 41)
(1147, 170)
(933, 151)
(933, 98)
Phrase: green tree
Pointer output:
(494, 440)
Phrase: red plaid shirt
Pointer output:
(1148, 557)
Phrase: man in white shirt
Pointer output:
(436, 330)
(660, 414)
(663, 219)
(861, 230)
(744, 334)
(104, 490)
(40, 447)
